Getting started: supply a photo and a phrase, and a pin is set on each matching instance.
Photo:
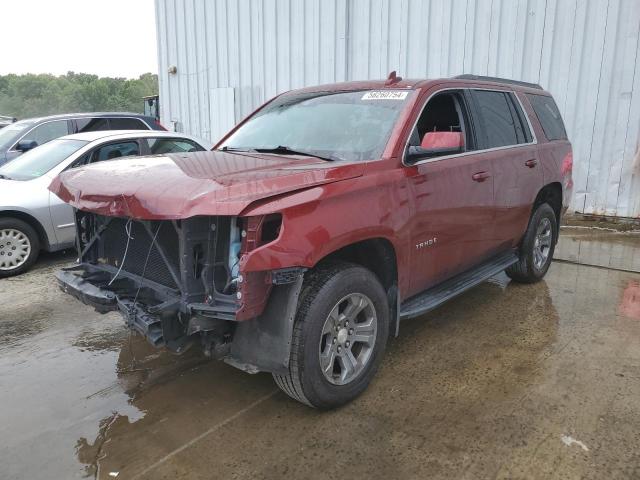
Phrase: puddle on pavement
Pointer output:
(486, 385)
(586, 246)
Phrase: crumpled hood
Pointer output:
(177, 186)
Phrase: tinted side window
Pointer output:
(172, 145)
(48, 131)
(549, 116)
(127, 124)
(92, 124)
(522, 127)
(115, 150)
(497, 126)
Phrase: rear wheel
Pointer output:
(339, 336)
(19, 247)
(538, 245)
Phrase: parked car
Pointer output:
(32, 218)
(322, 220)
(21, 136)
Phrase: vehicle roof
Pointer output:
(64, 116)
(115, 134)
(412, 84)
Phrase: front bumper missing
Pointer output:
(147, 322)
(102, 300)
(262, 343)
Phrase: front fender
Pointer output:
(321, 220)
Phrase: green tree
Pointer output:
(31, 95)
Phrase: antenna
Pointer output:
(392, 78)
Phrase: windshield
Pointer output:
(11, 133)
(40, 160)
(353, 125)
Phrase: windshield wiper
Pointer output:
(4, 177)
(236, 149)
(283, 150)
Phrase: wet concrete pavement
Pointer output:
(507, 381)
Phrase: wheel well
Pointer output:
(379, 256)
(551, 194)
(25, 217)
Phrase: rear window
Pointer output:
(549, 116)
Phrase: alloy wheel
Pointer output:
(542, 243)
(348, 339)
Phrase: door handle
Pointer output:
(480, 176)
(532, 162)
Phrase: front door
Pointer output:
(454, 215)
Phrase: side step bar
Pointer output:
(436, 296)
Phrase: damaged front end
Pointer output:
(180, 282)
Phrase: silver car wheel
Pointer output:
(15, 249)
(542, 243)
(348, 339)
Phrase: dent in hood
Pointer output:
(184, 185)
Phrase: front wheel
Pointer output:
(339, 336)
(19, 247)
(538, 245)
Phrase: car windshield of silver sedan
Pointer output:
(353, 125)
(40, 160)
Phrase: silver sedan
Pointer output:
(32, 218)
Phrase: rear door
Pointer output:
(453, 214)
(505, 133)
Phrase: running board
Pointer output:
(436, 296)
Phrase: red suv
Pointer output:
(322, 220)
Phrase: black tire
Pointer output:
(323, 291)
(27, 230)
(526, 270)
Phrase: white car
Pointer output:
(32, 218)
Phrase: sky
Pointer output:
(115, 38)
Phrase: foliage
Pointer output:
(30, 95)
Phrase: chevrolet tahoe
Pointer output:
(321, 221)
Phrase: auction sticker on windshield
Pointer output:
(385, 95)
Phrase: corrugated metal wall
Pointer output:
(232, 55)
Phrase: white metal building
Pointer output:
(220, 59)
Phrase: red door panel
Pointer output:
(517, 180)
(453, 217)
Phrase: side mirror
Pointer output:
(26, 145)
(437, 144)
(418, 153)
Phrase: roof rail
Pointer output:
(467, 76)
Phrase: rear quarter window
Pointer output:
(549, 116)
